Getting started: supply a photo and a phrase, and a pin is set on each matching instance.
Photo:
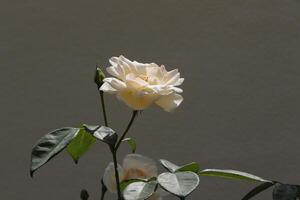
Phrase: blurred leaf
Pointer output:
(50, 145)
(171, 167)
(231, 174)
(139, 190)
(180, 184)
(131, 143)
(125, 183)
(262, 187)
(80, 144)
(84, 195)
(285, 192)
(103, 133)
(192, 167)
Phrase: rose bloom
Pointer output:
(135, 166)
(141, 84)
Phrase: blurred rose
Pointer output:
(135, 166)
(140, 85)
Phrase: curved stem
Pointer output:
(134, 113)
(103, 108)
(114, 152)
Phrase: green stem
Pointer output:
(114, 153)
(103, 107)
(134, 113)
(182, 198)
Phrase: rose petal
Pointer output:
(170, 102)
(138, 166)
(115, 83)
(109, 177)
(106, 87)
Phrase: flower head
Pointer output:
(135, 166)
(141, 84)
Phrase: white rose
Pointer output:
(140, 85)
(134, 166)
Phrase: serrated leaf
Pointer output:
(285, 192)
(192, 167)
(180, 184)
(80, 144)
(139, 190)
(102, 133)
(131, 143)
(262, 187)
(50, 145)
(231, 174)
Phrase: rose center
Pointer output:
(145, 78)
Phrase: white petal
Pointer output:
(179, 82)
(115, 83)
(116, 71)
(170, 102)
(135, 82)
(106, 87)
(109, 177)
(173, 80)
(138, 166)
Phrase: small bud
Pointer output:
(99, 76)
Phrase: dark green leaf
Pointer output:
(139, 190)
(50, 145)
(192, 167)
(80, 144)
(84, 195)
(131, 143)
(257, 190)
(171, 167)
(232, 174)
(285, 192)
(103, 133)
(180, 184)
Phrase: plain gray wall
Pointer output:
(240, 60)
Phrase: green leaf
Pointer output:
(103, 133)
(180, 184)
(231, 174)
(139, 190)
(50, 145)
(131, 143)
(84, 195)
(262, 187)
(125, 183)
(171, 167)
(80, 144)
(285, 192)
(191, 167)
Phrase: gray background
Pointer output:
(240, 60)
